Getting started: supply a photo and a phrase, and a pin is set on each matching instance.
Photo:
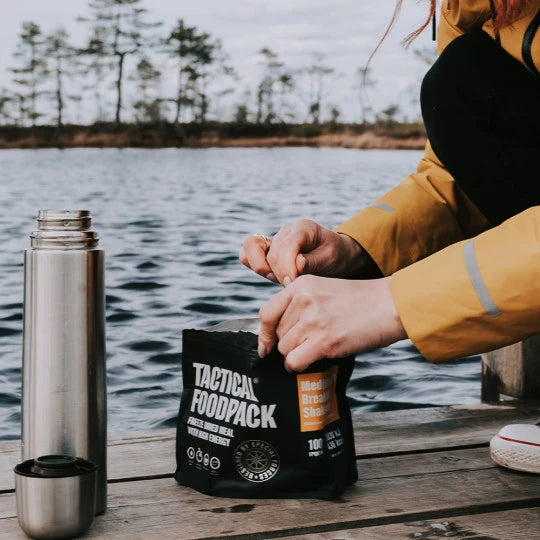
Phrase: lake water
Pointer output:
(172, 222)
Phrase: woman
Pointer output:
(454, 248)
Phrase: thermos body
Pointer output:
(64, 379)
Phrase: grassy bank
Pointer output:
(387, 136)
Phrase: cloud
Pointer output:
(287, 7)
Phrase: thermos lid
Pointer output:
(55, 462)
(54, 466)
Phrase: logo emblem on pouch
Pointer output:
(191, 452)
(256, 461)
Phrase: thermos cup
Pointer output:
(64, 393)
(55, 496)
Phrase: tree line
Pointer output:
(51, 73)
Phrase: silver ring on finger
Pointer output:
(267, 240)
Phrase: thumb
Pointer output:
(313, 262)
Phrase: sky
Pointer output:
(344, 31)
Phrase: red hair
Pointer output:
(413, 35)
(409, 39)
(504, 13)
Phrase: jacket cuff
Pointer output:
(402, 227)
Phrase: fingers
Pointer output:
(288, 320)
(253, 255)
(287, 245)
(301, 264)
(282, 258)
(303, 356)
(295, 336)
(284, 317)
(293, 313)
(270, 315)
(298, 248)
(293, 330)
(321, 261)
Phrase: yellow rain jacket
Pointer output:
(460, 286)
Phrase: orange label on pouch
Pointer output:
(317, 399)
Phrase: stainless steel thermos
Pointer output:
(64, 392)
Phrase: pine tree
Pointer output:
(193, 52)
(121, 32)
(60, 59)
(285, 87)
(30, 74)
(7, 101)
(265, 91)
(390, 114)
(214, 67)
(147, 78)
(365, 82)
(317, 73)
(95, 64)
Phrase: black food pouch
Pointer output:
(247, 428)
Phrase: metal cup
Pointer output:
(55, 496)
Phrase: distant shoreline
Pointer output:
(215, 135)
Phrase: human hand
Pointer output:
(304, 247)
(316, 317)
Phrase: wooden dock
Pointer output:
(424, 473)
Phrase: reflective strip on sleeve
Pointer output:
(381, 206)
(477, 281)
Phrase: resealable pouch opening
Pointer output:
(248, 428)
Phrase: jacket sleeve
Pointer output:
(476, 295)
(422, 215)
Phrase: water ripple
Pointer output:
(207, 307)
(148, 265)
(14, 317)
(141, 285)
(149, 346)
(121, 316)
(4, 331)
(165, 359)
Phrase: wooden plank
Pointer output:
(431, 488)
(395, 466)
(437, 427)
(127, 452)
(520, 524)
(513, 371)
(381, 433)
